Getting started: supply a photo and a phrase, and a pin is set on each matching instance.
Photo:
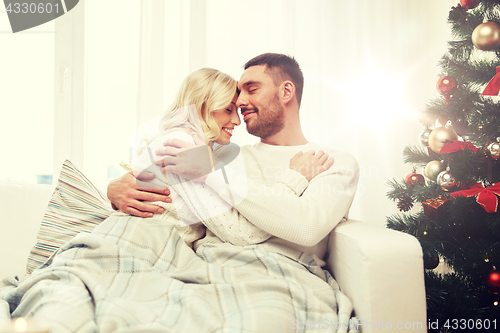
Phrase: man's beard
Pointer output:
(269, 121)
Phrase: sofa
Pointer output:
(379, 269)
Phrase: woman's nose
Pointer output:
(236, 118)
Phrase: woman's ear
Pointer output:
(287, 91)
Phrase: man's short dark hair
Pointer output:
(281, 67)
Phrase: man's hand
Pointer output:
(127, 193)
(191, 161)
(311, 164)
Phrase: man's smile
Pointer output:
(247, 113)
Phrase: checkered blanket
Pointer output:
(138, 275)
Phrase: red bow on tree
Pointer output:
(493, 88)
(452, 146)
(486, 197)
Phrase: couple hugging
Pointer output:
(237, 249)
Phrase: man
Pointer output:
(271, 92)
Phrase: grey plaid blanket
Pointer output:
(138, 275)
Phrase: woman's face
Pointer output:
(227, 120)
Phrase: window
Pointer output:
(112, 59)
(27, 102)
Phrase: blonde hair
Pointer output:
(207, 90)
(201, 93)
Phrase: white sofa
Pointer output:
(381, 270)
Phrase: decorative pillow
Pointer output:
(76, 206)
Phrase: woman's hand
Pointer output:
(127, 193)
(311, 164)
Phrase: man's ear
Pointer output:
(287, 91)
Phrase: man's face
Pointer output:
(259, 102)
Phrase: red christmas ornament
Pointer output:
(469, 4)
(414, 179)
(492, 281)
(431, 260)
(446, 86)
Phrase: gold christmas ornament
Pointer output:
(486, 36)
(438, 137)
(433, 169)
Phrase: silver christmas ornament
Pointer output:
(494, 149)
(424, 137)
(446, 180)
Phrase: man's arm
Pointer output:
(305, 219)
(128, 193)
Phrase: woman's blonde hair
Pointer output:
(207, 90)
(201, 93)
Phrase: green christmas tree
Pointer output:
(459, 219)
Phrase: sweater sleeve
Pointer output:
(302, 219)
(200, 203)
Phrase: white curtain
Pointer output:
(369, 66)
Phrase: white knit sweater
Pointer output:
(275, 202)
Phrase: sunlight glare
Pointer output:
(380, 104)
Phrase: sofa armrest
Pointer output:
(381, 271)
(21, 207)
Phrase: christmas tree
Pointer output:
(459, 220)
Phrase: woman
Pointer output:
(135, 274)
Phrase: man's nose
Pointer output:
(241, 101)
